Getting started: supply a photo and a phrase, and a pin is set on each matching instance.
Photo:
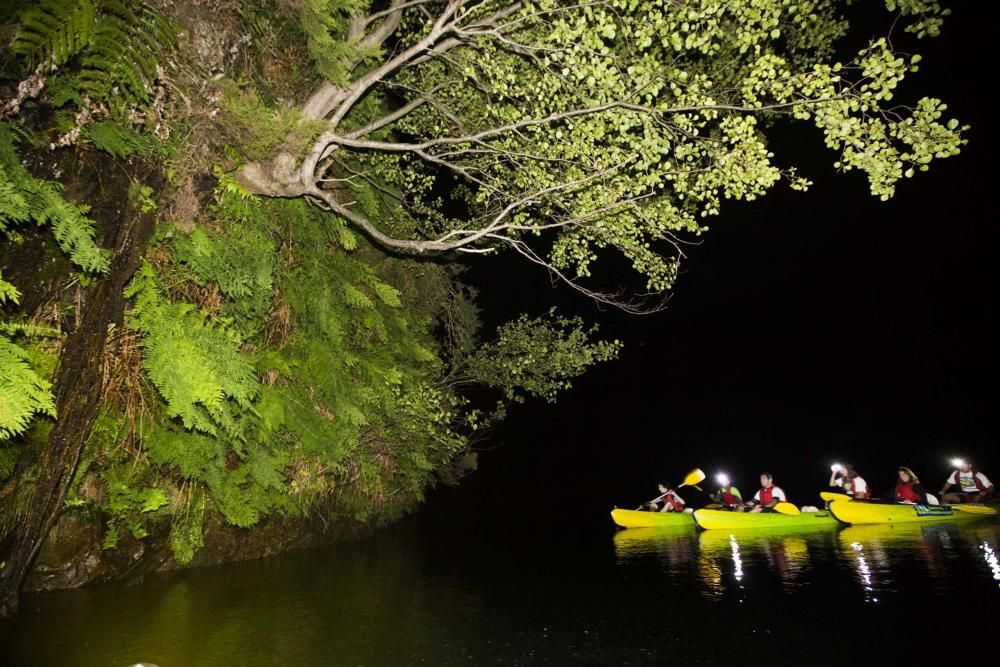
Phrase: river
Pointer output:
(475, 587)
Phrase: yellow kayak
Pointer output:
(725, 520)
(636, 519)
(861, 513)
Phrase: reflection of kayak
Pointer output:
(869, 513)
(636, 519)
(887, 533)
(719, 542)
(721, 519)
(637, 541)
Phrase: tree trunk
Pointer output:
(78, 389)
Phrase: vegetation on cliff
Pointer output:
(230, 273)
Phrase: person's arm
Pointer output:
(986, 483)
(833, 479)
(948, 483)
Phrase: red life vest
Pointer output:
(674, 501)
(728, 498)
(904, 491)
(975, 478)
(766, 494)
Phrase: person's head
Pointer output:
(907, 475)
(965, 466)
(665, 487)
(849, 471)
(766, 479)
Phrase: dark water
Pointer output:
(518, 590)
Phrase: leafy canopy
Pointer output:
(573, 129)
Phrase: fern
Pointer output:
(55, 31)
(119, 141)
(118, 44)
(195, 364)
(7, 291)
(24, 198)
(186, 535)
(242, 263)
(23, 393)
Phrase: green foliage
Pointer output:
(119, 141)
(242, 262)
(195, 363)
(23, 392)
(186, 535)
(118, 45)
(325, 24)
(259, 131)
(624, 126)
(24, 198)
(539, 356)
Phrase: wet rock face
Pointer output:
(71, 557)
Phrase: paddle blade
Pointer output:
(787, 508)
(829, 496)
(694, 477)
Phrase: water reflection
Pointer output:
(885, 548)
(990, 556)
(878, 558)
(864, 571)
(673, 549)
(747, 553)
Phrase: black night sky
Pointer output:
(807, 328)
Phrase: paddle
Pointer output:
(787, 508)
(830, 496)
(691, 479)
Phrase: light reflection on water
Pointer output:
(725, 562)
(510, 595)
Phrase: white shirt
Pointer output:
(860, 485)
(776, 494)
(967, 483)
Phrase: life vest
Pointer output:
(905, 491)
(766, 494)
(728, 498)
(674, 501)
(849, 490)
(975, 478)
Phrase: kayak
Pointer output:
(724, 520)
(861, 513)
(637, 519)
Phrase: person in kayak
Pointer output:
(671, 501)
(975, 486)
(847, 478)
(769, 494)
(908, 489)
(728, 495)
